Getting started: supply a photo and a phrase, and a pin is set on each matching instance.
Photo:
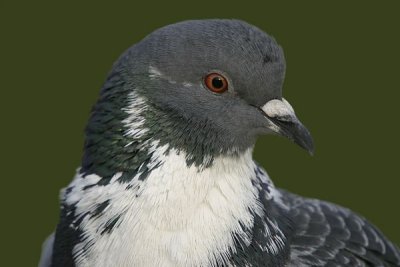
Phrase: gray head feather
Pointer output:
(167, 68)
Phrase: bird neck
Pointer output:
(125, 140)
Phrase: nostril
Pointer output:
(276, 108)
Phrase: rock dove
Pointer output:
(167, 176)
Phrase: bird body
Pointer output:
(167, 176)
(177, 216)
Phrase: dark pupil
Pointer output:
(217, 82)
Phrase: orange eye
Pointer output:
(216, 82)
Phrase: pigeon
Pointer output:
(167, 176)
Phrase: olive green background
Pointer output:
(342, 79)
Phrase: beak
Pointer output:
(282, 120)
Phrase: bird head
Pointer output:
(204, 87)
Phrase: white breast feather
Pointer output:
(182, 217)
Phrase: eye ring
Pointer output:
(216, 82)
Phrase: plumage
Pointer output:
(327, 234)
(167, 176)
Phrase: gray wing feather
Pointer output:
(329, 235)
(47, 251)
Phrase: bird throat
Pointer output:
(125, 140)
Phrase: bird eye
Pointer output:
(216, 82)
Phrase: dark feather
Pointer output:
(329, 235)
